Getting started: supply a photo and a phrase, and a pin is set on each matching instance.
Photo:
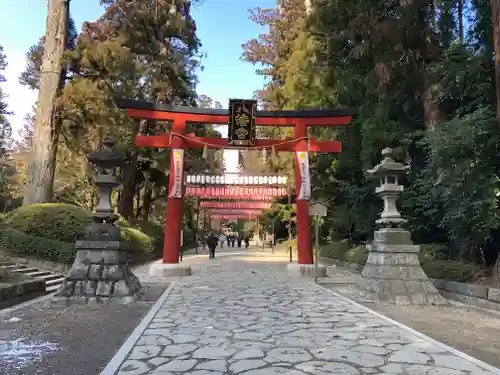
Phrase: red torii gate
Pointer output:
(178, 139)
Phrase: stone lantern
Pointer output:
(100, 272)
(388, 173)
(392, 271)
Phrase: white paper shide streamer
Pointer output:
(305, 177)
(178, 155)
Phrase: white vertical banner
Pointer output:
(178, 155)
(305, 178)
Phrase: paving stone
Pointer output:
(409, 356)
(273, 371)
(153, 340)
(178, 365)
(231, 319)
(181, 339)
(371, 349)
(325, 368)
(157, 361)
(144, 352)
(178, 350)
(249, 353)
(133, 367)
(291, 355)
(246, 364)
(213, 353)
(217, 365)
(448, 360)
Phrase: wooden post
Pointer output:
(175, 206)
(304, 238)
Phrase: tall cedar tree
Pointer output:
(495, 10)
(42, 166)
(6, 169)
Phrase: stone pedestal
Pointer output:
(393, 273)
(306, 270)
(159, 269)
(100, 273)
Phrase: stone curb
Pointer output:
(471, 294)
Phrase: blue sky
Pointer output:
(223, 25)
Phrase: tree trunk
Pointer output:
(41, 169)
(495, 11)
(126, 202)
(460, 16)
(433, 113)
(147, 200)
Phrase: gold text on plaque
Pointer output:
(242, 119)
(241, 133)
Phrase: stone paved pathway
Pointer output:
(236, 317)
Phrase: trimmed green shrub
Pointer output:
(21, 244)
(450, 270)
(357, 255)
(141, 245)
(434, 251)
(335, 250)
(25, 245)
(58, 221)
(154, 230)
(122, 223)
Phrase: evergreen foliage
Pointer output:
(424, 82)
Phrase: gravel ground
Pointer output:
(68, 341)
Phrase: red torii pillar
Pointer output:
(180, 116)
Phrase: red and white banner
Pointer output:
(305, 177)
(178, 161)
(236, 192)
(237, 205)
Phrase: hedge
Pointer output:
(154, 230)
(59, 221)
(335, 250)
(450, 270)
(24, 245)
(357, 255)
(21, 244)
(141, 245)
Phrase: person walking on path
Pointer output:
(212, 244)
(222, 239)
(247, 241)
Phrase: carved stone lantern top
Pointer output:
(388, 171)
(109, 162)
(107, 157)
(388, 166)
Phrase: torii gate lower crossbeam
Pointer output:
(178, 139)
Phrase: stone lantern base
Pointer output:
(100, 272)
(393, 273)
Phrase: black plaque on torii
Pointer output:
(241, 127)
